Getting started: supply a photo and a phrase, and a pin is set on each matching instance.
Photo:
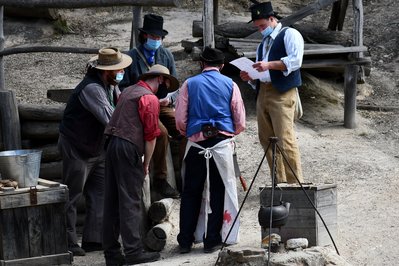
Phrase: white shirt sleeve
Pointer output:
(294, 46)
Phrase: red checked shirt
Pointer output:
(149, 113)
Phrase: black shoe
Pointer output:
(184, 250)
(142, 257)
(92, 246)
(76, 250)
(212, 249)
(167, 191)
(115, 260)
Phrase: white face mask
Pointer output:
(266, 32)
(119, 77)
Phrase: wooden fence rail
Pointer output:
(86, 3)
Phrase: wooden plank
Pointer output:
(325, 193)
(14, 234)
(34, 223)
(48, 183)
(41, 112)
(56, 259)
(48, 196)
(59, 241)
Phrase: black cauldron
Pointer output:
(279, 214)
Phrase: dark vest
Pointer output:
(279, 81)
(80, 127)
(125, 121)
(210, 96)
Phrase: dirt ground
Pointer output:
(363, 162)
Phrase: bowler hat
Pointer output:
(262, 10)
(160, 70)
(212, 55)
(153, 24)
(110, 58)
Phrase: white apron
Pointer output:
(222, 153)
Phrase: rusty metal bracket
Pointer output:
(33, 195)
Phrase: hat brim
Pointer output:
(275, 14)
(162, 33)
(126, 61)
(174, 83)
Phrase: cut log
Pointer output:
(50, 153)
(40, 129)
(51, 171)
(86, 3)
(157, 236)
(160, 210)
(41, 112)
(229, 30)
(61, 96)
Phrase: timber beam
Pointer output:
(86, 3)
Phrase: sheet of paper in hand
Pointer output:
(245, 64)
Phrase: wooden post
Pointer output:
(10, 126)
(209, 38)
(342, 14)
(350, 96)
(358, 24)
(216, 12)
(137, 23)
(2, 88)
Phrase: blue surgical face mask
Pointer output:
(266, 32)
(152, 44)
(119, 77)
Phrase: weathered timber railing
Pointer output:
(10, 125)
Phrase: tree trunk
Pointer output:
(41, 112)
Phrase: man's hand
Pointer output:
(261, 66)
(146, 168)
(244, 76)
(164, 102)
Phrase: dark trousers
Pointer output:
(122, 201)
(191, 198)
(167, 125)
(83, 176)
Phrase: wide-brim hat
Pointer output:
(110, 58)
(262, 10)
(160, 70)
(212, 55)
(153, 24)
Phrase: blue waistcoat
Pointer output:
(209, 95)
(279, 81)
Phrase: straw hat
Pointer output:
(110, 58)
(160, 70)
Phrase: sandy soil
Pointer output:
(363, 162)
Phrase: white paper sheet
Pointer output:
(245, 64)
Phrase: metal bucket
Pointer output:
(22, 166)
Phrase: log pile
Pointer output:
(155, 239)
(39, 130)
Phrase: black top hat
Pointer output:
(262, 10)
(212, 55)
(153, 24)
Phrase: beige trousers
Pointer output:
(275, 114)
